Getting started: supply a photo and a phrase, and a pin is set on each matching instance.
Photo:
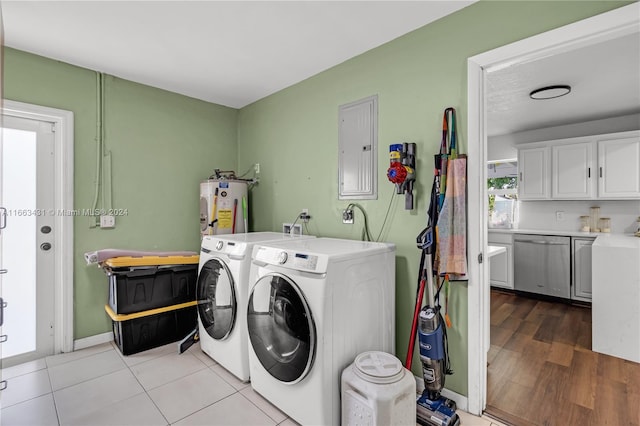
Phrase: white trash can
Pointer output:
(377, 390)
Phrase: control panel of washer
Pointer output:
(288, 258)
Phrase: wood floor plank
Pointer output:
(583, 342)
(575, 414)
(633, 402)
(531, 361)
(499, 335)
(547, 329)
(523, 308)
(561, 354)
(528, 328)
(566, 330)
(517, 342)
(612, 369)
(502, 313)
(610, 395)
(548, 390)
(581, 387)
(632, 373)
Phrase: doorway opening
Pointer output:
(36, 244)
(611, 25)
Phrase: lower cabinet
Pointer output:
(581, 268)
(501, 265)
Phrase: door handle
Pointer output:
(3, 218)
(3, 338)
(3, 271)
(3, 305)
(3, 385)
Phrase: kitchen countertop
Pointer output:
(547, 232)
(617, 240)
(602, 239)
(493, 250)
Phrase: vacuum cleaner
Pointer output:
(433, 409)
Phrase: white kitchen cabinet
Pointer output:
(581, 269)
(501, 265)
(573, 172)
(533, 173)
(619, 168)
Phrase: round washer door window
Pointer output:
(216, 299)
(281, 328)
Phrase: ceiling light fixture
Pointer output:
(550, 92)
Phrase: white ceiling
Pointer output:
(226, 52)
(605, 82)
(234, 53)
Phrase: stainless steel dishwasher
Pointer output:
(542, 264)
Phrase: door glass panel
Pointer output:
(216, 299)
(19, 240)
(281, 329)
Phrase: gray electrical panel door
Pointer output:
(357, 149)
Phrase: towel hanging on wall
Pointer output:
(451, 224)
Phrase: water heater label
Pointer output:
(225, 219)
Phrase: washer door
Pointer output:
(281, 329)
(216, 299)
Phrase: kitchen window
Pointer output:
(502, 189)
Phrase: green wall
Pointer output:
(293, 134)
(162, 145)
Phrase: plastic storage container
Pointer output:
(377, 390)
(139, 284)
(141, 331)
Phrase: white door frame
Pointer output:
(599, 28)
(63, 223)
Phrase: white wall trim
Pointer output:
(606, 26)
(95, 340)
(63, 229)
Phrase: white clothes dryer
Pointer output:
(314, 305)
(222, 288)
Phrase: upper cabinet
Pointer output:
(572, 170)
(533, 173)
(619, 168)
(592, 167)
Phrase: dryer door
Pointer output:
(281, 328)
(216, 299)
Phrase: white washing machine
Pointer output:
(223, 284)
(314, 305)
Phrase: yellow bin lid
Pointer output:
(125, 261)
(126, 317)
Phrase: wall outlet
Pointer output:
(297, 228)
(107, 221)
(559, 216)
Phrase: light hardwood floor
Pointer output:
(542, 370)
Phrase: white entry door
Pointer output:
(27, 245)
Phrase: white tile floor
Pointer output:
(99, 386)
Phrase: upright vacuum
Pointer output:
(432, 408)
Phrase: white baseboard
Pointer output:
(461, 401)
(97, 339)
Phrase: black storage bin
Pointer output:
(143, 332)
(137, 289)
